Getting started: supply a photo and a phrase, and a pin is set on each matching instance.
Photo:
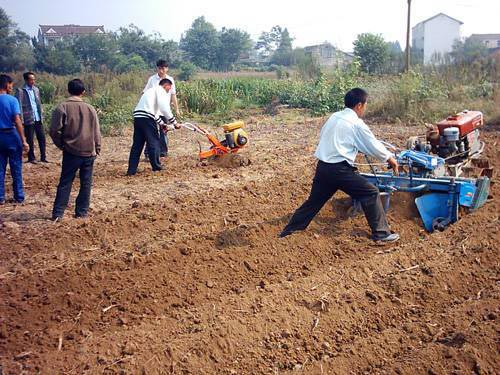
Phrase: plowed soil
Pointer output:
(182, 271)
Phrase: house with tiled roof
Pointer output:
(48, 34)
(329, 56)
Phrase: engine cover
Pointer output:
(465, 121)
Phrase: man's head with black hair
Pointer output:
(162, 68)
(29, 78)
(356, 99)
(6, 83)
(166, 84)
(76, 87)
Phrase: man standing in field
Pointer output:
(153, 105)
(12, 141)
(31, 116)
(75, 130)
(153, 81)
(342, 136)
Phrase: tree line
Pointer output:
(201, 46)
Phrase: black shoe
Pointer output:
(158, 169)
(32, 161)
(19, 201)
(284, 234)
(45, 161)
(81, 216)
(55, 219)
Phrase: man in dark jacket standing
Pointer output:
(75, 130)
(31, 116)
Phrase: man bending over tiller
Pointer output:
(342, 136)
(154, 101)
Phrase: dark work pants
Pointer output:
(163, 145)
(11, 151)
(70, 165)
(145, 131)
(340, 176)
(29, 132)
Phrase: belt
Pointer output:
(6, 130)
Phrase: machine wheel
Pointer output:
(440, 223)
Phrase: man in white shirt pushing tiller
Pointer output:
(342, 136)
(153, 109)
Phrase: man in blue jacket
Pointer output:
(31, 116)
(12, 140)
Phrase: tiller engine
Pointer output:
(436, 179)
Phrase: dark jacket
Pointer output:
(27, 115)
(75, 128)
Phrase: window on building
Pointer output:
(498, 43)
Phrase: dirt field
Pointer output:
(182, 272)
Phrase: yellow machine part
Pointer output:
(233, 126)
(240, 137)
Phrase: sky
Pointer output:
(309, 22)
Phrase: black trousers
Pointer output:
(70, 165)
(145, 131)
(163, 146)
(340, 176)
(29, 132)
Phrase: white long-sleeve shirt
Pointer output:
(154, 102)
(344, 135)
(155, 79)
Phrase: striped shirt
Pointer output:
(155, 103)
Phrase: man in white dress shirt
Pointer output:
(153, 81)
(342, 136)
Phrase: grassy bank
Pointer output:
(411, 98)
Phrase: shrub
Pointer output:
(187, 71)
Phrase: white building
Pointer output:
(435, 36)
(49, 34)
(491, 41)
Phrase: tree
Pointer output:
(133, 41)
(123, 63)
(170, 52)
(284, 52)
(395, 63)
(269, 41)
(307, 65)
(232, 43)
(16, 52)
(57, 59)
(94, 51)
(201, 43)
(468, 51)
(372, 52)
(187, 71)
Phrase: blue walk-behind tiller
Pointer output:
(438, 197)
(436, 169)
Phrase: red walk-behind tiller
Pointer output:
(235, 139)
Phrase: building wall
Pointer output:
(329, 56)
(439, 35)
(418, 37)
(492, 43)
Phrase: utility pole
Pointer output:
(407, 67)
